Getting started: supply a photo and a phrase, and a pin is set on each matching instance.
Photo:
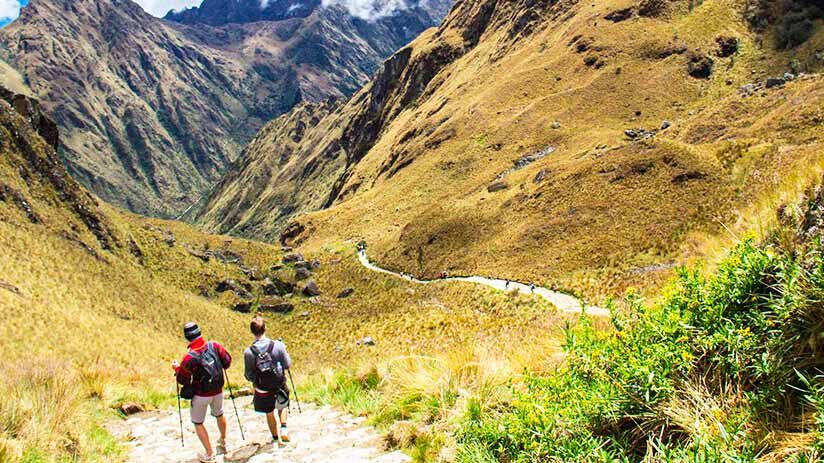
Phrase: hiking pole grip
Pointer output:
(294, 390)
(234, 405)
(179, 412)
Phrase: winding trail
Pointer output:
(564, 302)
(319, 435)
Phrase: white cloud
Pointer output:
(9, 9)
(369, 9)
(159, 8)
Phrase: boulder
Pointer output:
(276, 307)
(232, 285)
(497, 186)
(276, 287)
(367, 341)
(315, 264)
(293, 257)
(242, 307)
(700, 66)
(302, 274)
(311, 289)
(303, 264)
(727, 46)
(250, 272)
(130, 408)
(346, 293)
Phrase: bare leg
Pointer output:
(284, 415)
(273, 425)
(203, 435)
(221, 425)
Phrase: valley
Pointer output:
(542, 230)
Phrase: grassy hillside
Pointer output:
(92, 300)
(497, 144)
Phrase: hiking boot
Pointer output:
(284, 434)
(203, 458)
(221, 447)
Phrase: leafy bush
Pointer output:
(704, 375)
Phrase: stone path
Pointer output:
(564, 302)
(319, 435)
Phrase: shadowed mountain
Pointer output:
(154, 111)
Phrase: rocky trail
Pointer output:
(319, 434)
(564, 302)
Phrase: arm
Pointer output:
(286, 359)
(183, 373)
(249, 365)
(225, 357)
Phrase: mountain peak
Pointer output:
(221, 12)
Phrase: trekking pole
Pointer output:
(294, 391)
(232, 396)
(179, 413)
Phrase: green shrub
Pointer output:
(702, 376)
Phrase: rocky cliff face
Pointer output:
(153, 111)
(32, 174)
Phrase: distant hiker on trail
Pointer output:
(532, 287)
(201, 373)
(506, 285)
(266, 362)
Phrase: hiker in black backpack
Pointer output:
(201, 375)
(266, 363)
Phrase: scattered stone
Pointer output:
(302, 274)
(195, 253)
(773, 82)
(665, 125)
(9, 287)
(276, 307)
(556, 125)
(242, 307)
(130, 408)
(367, 341)
(315, 264)
(688, 175)
(293, 257)
(620, 15)
(250, 272)
(276, 287)
(232, 285)
(346, 293)
(303, 264)
(305, 314)
(311, 289)
(727, 46)
(291, 233)
(539, 177)
(700, 66)
(497, 186)
(652, 8)
(135, 250)
(286, 249)
(639, 134)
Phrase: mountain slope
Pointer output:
(502, 142)
(153, 111)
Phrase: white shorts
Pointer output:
(200, 404)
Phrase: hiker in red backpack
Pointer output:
(201, 373)
(266, 362)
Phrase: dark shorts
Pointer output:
(268, 404)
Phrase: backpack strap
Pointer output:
(254, 350)
(271, 348)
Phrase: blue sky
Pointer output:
(9, 9)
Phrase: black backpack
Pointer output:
(210, 372)
(269, 372)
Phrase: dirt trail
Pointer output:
(564, 302)
(319, 435)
